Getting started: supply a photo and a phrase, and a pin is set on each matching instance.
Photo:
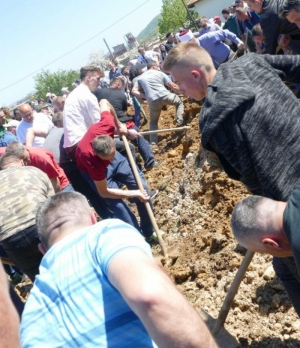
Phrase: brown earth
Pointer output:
(193, 208)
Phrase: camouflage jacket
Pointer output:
(22, 191)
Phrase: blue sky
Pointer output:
(34, 33)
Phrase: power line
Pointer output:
(45, 66)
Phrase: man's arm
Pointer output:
(136, 91)
(167, 316)
(106, 192)
(226, 34)
(174, 87)
(32, 133)
(287, 67)
(55, 184)
(121, 128)
(9, 320)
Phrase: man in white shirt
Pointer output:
(81, 109)
(146, 56)
(32, 119)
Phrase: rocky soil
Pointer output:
(193, 208)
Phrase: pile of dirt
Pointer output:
(193, 208)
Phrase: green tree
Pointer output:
(53, 82)
(174, 16)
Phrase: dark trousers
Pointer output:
(144, 149)
(286, 271)
(82, 186)
(119, 173)
(22, 249)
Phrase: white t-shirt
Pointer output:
(40, 121)
(149, 55)
(80, 112)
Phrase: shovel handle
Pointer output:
(233, 291)
(148, 207)
(6, 261)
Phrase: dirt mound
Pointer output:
(193, 208)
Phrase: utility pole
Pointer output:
(108, 48)
(189, 14)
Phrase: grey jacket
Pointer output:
(251, 120)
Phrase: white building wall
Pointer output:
(211, 8)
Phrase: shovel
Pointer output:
(216, 326)
(147, 204)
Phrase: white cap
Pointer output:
(11, 123)
(186, 35)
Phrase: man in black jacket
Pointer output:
(250, 118)
(119, 101)
(290, 9)
(271, 24)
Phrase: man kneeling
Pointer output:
(99, 287)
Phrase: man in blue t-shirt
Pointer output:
(99, 287)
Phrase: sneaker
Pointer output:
(155, 164)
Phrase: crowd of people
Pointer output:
(63, 161)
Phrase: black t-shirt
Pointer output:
(291, 223)
(117, 99)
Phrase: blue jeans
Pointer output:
(144, 149)
(286, 271)
(118, 174)
(82, 186)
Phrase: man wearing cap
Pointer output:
(217, 20)
(170, 41)
(271, 23)
(11, 126)
(76, 83)
(6, 137)
(213, 43)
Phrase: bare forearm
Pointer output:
(172, 322)
(56, 184)
(9, 321)
(117, 193)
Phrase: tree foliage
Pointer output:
(174, 16)
(97, 58)
(53, 82)
(151, 31)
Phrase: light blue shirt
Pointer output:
(213, 43)
(73, 304)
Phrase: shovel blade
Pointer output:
(223, 338)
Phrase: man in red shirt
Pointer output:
(43, 160)
(109, 172)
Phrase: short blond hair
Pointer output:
(186, 55)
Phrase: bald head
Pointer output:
(26, 112)
(257, 225)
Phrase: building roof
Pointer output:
(191, 3)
